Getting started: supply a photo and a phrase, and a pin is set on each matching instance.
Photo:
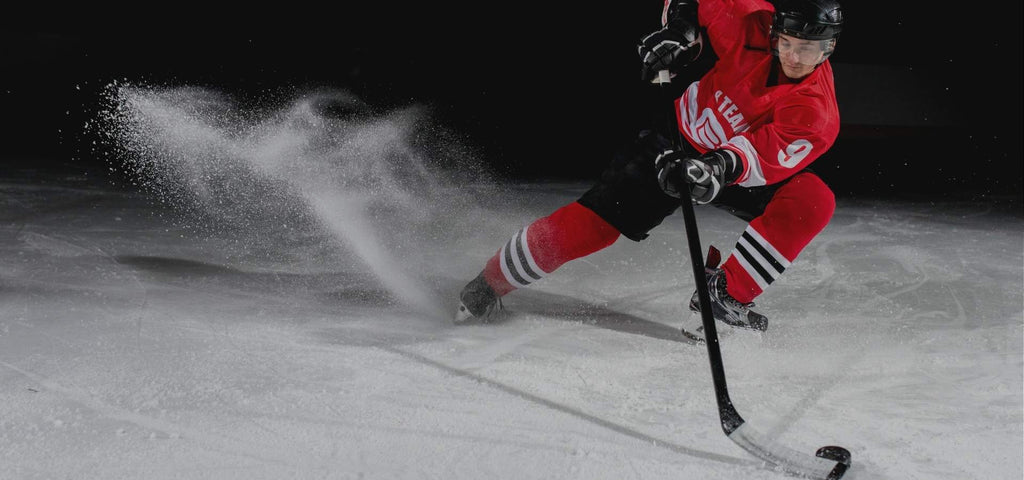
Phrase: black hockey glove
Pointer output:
(673, 47)
(708, 173)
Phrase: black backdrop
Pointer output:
(930, 98)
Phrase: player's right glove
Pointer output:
(673, 47)
(707, 174)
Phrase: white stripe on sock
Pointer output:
(505, 270)
(529, 256)
(768, 246)
(515, 260)
(760, 260)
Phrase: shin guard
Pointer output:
(537, 250)
(799, 211)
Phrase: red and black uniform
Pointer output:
(776, 127)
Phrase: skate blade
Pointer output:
(462, 314)
(693, 328)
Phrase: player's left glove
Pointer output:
(707, 174)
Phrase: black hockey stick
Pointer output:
(828, 463)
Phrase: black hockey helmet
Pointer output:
(816, 23)
(808, 19)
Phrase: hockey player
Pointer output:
(763, 112)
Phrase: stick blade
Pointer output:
(829, 463)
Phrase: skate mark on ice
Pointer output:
(52, 244)
(37, 212)
(637, 301)
(62, 245)
(577, 310)
(171, 430)
(529, 397)
(814, 395)
(384, 345)
(481, 356)
(344, 288)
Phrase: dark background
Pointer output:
(930, 97)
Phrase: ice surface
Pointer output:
(271, 300)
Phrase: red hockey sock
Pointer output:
(799, 211)
(571, 232)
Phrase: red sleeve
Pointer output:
(802, 130)
(728, 25)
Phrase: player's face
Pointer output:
(797, 56)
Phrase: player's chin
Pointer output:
(795, 71)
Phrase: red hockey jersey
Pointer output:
(776, 131)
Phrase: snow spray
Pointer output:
(319, 163)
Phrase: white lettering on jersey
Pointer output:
(730, 112)
(794, 153)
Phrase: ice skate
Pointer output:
(724, 308)
(477, 301)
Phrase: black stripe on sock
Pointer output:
(521, 253)
(754, 263)
(764, 252)
(512, 266)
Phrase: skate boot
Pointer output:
(477, 301)
(724, 308)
